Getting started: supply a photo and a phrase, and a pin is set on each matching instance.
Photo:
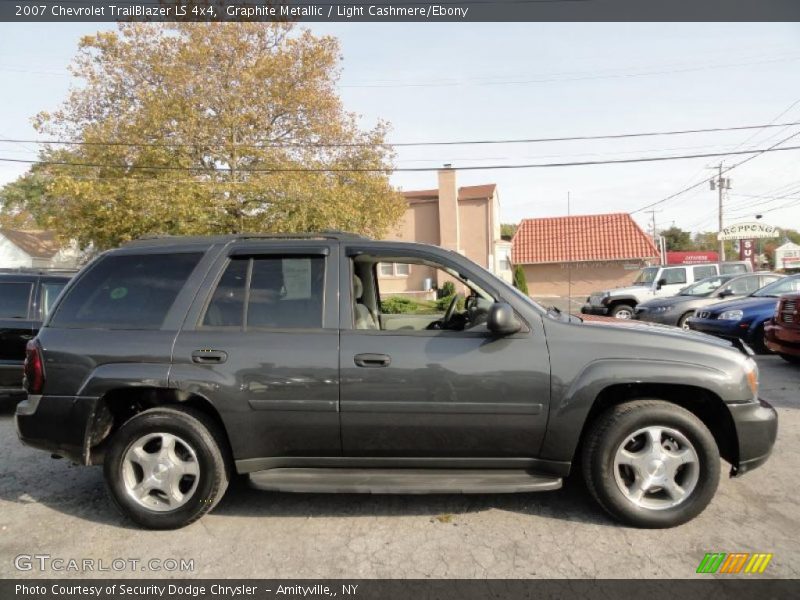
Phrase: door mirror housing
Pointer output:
(725, 293)
(660, 283)
(502, 320)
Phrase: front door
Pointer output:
(263, 345)
(424, 389)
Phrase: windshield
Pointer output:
(646, 276)
(776, 288)
(704, 287)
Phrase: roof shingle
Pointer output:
(613, 236)
(35, 243)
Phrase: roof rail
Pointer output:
(38, 270)
(326, 234)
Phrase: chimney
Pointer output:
(449, 237)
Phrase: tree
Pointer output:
(210, 128)
(519, 279)
(507, 230)
(677, 239)
(18, 197)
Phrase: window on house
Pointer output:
(394, 269)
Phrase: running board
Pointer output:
(402, 481)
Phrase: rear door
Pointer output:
(16, 327)
(261, 343)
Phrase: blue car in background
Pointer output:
(744, 318)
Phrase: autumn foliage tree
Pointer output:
(189, 128)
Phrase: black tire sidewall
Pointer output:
(619, 307)
(656, 414)
(212, 480)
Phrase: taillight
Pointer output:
(34, 368)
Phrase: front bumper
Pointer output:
(782, 339)
(756, 429)
(664, 318)
(594, 309)
(59, 424)
(724, 329)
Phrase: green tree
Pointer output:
(19, 197)
(507, 230)
(677, 239)
(210, 128)
(519, 279)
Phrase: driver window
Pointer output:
(404, 295)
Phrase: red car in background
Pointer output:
(782, 333)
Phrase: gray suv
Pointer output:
(178, 362)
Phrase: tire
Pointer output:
(684, 317)
(795, 360)
(614, 488)
(758, 344)
(622, 311)
(196, 467)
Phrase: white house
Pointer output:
(787, 256)
(36, 249)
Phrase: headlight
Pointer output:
(731, 315)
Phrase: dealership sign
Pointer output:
(747, 231)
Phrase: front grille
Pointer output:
(788, 311)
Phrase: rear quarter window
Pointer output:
(14, 299)
(126, 292)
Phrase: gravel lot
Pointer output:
(51, 507)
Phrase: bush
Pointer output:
(443, 302)
(447, 290)
(397, 305)
(519, 280)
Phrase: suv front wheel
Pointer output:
(651, 463)
(165, 467)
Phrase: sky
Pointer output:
(500, 81)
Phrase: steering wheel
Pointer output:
(451, 310)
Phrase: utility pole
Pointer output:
(656, 242)
(720, 184)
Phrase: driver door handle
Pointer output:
(208, 356)
(372, 361)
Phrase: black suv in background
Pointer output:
(175, 362)
(26, 297)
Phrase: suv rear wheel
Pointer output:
(165, 467)
(651, 464)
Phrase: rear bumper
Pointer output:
(594, 309)
(58, 424)
(782, 339)
(756, 428)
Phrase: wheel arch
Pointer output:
(119, 404)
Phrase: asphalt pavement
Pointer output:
(52, 508)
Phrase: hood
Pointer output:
(667, 331)
(748, 302)
(631, 290)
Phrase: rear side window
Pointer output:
(284, 292)
(126, 292)
(14, 299)
(674, 276)
(50, 292)
(704, 271)
(733, 268)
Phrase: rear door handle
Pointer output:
(372, 361)
(209, 356)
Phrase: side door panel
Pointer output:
(277, 390)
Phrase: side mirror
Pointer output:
(661, 282)
(502, 320)
(725, 293)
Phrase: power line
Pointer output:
(403, 144)
(642, 159)
(772, 148)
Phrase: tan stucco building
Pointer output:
(581, 254)
(465, 219)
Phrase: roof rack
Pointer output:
(326, 234)
(38, 270)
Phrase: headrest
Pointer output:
(358, 287)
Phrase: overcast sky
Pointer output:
(442, 82)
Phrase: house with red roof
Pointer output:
(465, 219)
(580, 254)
